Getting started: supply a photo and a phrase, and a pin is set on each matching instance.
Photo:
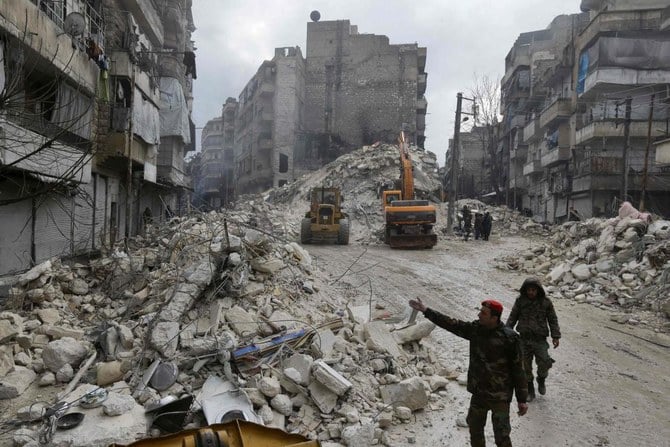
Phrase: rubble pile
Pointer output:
(621, 263)
(362, 175)
(506, 222)
(211, 312)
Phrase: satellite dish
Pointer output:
(74, 24)
(315, 16)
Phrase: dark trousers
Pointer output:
(537, 348)
(476, 419)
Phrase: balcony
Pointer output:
(421, 105)
(665, 19)
(555, 156)
(518, 183)
(597, 130)
(620, 22)
(519, 152)
(421, 82)
(532, 167)
(421, 58)
(518, 120)
(266, 89)
(532, 132)
(558, 110)
(663, 153)
(519, 57)
(421, 122)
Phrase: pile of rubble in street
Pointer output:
(203, 318)
(621, 264)
(362, 175)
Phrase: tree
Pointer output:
(486, 95)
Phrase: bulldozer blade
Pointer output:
(413, 240)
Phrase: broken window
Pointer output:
(283, 163)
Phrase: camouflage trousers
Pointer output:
(476, 420)
(537, 348)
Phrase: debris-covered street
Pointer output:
(221, 312)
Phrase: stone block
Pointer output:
(414, 333)
(164, 338)
(63, 351)
(323, 398)
(330, 378)
(16, 382)
(242, 322)
(379, 339)
(410, 393)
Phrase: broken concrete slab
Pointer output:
(415, 332)
(164, 338)
(379, 339)
(330, 378)
(63, 351)
(16, 382)
(410, 393)
(242, 322)
(180, 301)
(270, 266)
(124, 428)
(303, 364)
(322, 397)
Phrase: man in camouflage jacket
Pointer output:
(495, 371)
(531, 314)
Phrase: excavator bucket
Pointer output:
(232, 434)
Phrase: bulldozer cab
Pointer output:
(325, 221)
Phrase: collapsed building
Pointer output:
(225, 312)
(298, 113)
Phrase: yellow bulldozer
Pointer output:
(325, 222)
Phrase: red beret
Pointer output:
(495, 306)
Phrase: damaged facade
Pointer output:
(299, 113)
(578, 99)
(87, 143)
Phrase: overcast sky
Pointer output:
(234, 37)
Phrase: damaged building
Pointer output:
(94, 122)
(585, 102)
(298, 113)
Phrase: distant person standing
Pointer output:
(495, 371)
(478, 225)
(487, 223)
(534, 316)
(467, 222)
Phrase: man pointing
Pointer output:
(495, 371)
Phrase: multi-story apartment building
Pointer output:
(360, 88)
(218, 158)
(81, 124)
(576, 98)
(269, 122)
(473, 163)
(298, 113)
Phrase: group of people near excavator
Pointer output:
(482, 224)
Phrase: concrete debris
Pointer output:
(228, 295)
(620, 264)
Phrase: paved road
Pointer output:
(607, 388)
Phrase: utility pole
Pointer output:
(454, 156)
(130, 141)
(626, 146)
(646, 153)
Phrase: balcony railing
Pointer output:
(421, 105)
(519, 152)
(557, 110)
(532, 167)
(532, 131)
(597, 130)
(555, 156)
(57, 12)
(422, 79)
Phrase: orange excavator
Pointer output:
(409, 222)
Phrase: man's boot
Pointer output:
(540, 385)
(531, 391)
